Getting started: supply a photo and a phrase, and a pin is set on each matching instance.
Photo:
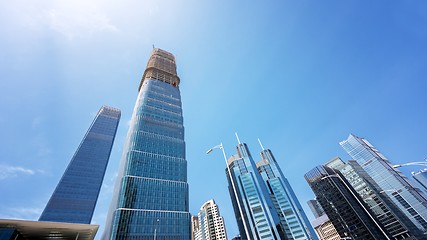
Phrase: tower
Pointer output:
(264, 203)
(151, 191)
(391, 219)
(391, 181)
(322, 224)
(315, 208)
(75, 196)
(253, 207)
(195, 227)
(285, 201)
(211, 225)
(421, 178)
(344, 207)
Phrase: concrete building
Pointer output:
(210, 223)
(325, 229)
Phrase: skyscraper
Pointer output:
(255, 213)
(211, 225)
(264, 202)
(195, 227)
(391, 219)
(75, 196)
(285, 201)
(150, 199)
(315, 208)
(391, 181)
(322, 224)
(421, 178)
(342, 204)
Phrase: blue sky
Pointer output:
(299, 75)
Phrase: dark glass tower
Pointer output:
(151, 193)
(349, 215)
(391, 219)
(74, 199)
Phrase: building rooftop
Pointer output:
(50, 230)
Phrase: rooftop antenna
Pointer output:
(238, 140)
(261, 144)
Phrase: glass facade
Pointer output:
(253, 207)
(75, 196)
(393, 222)
(315, 208)
(343, 205)
(390, 181)
(151, 192)
(421, 178)
(286, 204)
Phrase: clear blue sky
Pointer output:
(300, 75)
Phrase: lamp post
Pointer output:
(155, 228)
(421, 176)
(220, 146)
(411, 163)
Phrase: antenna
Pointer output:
(238, 140)
(261, 144)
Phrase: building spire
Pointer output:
(261, 144)
(238, 140)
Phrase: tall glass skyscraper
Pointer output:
(264, 203)
(387, 214)
(285, 201)
(255, 212)
(151, 192)
(421, 178)
(75, 196)
(390, 181)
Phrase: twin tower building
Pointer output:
(151, 198)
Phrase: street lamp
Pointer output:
(220, 146)
(155, 228)
(421, 176)
(411, 163)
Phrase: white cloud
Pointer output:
(78, 23)
(14, 171)
(72, 19)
